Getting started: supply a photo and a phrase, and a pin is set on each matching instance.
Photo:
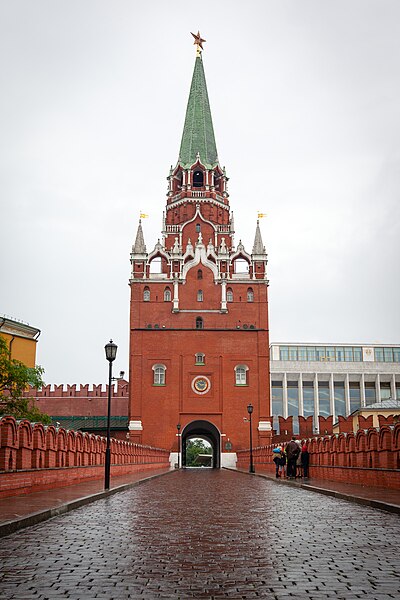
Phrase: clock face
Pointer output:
(201, 385)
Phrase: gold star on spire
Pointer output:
(198, 41)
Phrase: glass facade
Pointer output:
(385, 391)
(308, 398)
(355, 396)
(341, 388)
(339, 399)
(387, 354)
(323, 398)
(277, 397)
(325, 353)
(293, 398)
(370, 395)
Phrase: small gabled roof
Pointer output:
(198, 133)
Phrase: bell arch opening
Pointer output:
(206, 431)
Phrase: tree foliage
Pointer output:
(15, 377)
(195, 447)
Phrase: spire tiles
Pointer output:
(139, 246)
(198, 138)
(258, 246)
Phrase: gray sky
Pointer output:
(305, 102)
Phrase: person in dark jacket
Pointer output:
(276, 460)
(305, 460)
(292, 452)
(282, 464)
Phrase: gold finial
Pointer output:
(198, 41)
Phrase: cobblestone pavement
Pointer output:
(207, 534)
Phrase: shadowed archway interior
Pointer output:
(208, 431)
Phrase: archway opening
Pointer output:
(199, 453)
(209, 435)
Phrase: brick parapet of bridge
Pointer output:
(33, 447)
(369, 456)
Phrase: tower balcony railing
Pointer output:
(223, 228)
(172, 228)
(197, 194)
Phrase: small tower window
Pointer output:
(167, 295)
(198, 227)
(200, 358)
(200, 296)
(159, 374)
(146, 294)
(241, 374)
(198, 179)
(250, 295)
(199, 323)
(199, 274)
(229, 295)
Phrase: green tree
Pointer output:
(195, 447)
(15, 377)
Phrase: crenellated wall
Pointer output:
(83, 400)
(368, 457)
(34, 457)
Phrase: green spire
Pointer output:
(198, 132)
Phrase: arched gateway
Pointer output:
(199, 344)
(208, 431)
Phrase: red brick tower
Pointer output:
(199, 345)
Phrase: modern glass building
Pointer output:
(316, 379)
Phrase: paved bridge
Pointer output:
(207, 534)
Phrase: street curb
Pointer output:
(9, 527)
(386, 506)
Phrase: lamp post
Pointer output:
(179, 441)
(251, 467)
(111, 353)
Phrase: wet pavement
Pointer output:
(207, 534)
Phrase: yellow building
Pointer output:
(21, 339)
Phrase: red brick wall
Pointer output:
(369, 457)
(70, 400)
(34, 457)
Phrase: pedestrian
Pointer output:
(305, 460)
(276, 460)
(292, 452)
(299, 466)
(282, 464)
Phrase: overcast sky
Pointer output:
(305, 98)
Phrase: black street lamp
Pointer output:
(111, 353)
(251, 467)
(179, 442)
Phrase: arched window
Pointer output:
(159, 374)
(198, 227)
(200, 296)
(200, 358)
(241, 374)
(250, 295)
(199, 274)
(229, 295)
(198, 179)
(167, 295)
(146, 294)
(199, 323)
